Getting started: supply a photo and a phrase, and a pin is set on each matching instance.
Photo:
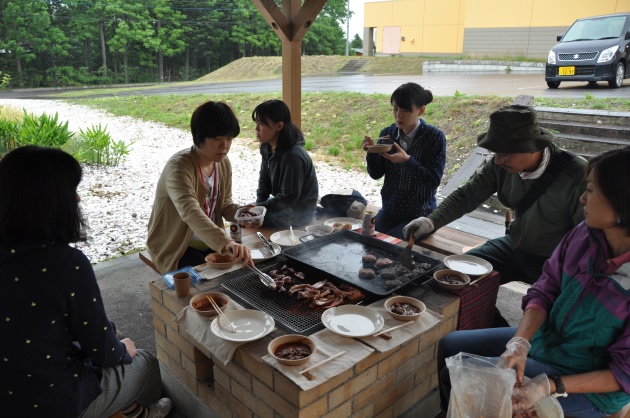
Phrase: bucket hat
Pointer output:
(514, 129)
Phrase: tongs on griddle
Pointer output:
(264, 278)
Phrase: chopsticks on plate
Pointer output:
(306, 372)
(389, 337)
(221, 314)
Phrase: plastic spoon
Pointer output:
(293, 236)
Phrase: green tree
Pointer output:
(356, 42)
(133, 28)
(168, 31)
(325, 36)
(29, 36)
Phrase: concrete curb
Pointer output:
(482, 66)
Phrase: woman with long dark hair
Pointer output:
(287, 185)
(61, 356)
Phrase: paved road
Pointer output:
(441, 84)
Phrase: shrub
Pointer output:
(45, 131)
(95, 146)
(92, 146)
(9, 131)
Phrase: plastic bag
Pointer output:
(479, 389)
(194, 277)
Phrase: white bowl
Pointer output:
(283, 238)
(320, 230)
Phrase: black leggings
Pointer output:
(193, 257)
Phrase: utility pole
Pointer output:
(348, 30)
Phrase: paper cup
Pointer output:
(182, 284)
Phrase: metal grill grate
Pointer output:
(292, 314)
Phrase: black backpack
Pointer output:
(349, 204)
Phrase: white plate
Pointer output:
(468, 264)
(352, 320)
(356, 223)
(250, 325)
(283, 238)
(259, 253)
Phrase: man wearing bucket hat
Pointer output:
(534, 178)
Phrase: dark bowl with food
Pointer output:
(291, 349)
(202, 305)
(404, 308)
(451, 279)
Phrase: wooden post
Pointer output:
(292, 79)
(291, 24)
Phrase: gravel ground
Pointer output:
(117, 200)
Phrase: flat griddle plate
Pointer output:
(340, 254)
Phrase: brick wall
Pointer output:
(381, 385)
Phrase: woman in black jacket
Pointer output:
(287, 185)
(62, 356)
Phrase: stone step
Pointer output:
(599, 132)
(592, 116)
(587, 138)
(353, 65)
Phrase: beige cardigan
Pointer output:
(177, 210)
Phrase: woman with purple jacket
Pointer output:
(574, 337)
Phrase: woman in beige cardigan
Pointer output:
(194, 194)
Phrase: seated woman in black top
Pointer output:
(61, 355)
(287, 185)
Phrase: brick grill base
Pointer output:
(383, 384)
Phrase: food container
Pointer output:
(254, 221)
(220, 261)
(320, 230)
(444, 278)
(291, 342)
(200, 303)
(404, 299)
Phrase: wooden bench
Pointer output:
(146, 259)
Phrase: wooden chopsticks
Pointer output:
(306, 372)
(389, 337)
(221, 314)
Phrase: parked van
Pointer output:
(593, 49)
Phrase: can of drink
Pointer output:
(235, 231)
(369, 220)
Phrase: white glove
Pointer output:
(515, 356)
(525, 397)
(419, 228)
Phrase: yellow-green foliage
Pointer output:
(11, 113)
